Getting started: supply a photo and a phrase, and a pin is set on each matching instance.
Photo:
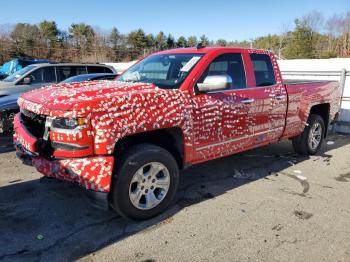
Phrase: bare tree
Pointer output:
(346, 34)
(282, 41)
(313, 20)
(334, 31)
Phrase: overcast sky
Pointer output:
(231, 20)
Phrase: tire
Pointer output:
(302, 144)
(131, 179)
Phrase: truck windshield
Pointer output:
(18, 74)
(165, 71)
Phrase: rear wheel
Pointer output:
(310, 141)
(146, 182)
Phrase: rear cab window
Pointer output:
(263, 70)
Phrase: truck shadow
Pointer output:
(46, 219)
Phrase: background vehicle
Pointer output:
(17, 64)
(125, 141)
(9, 106)
(38, 75)
(8, 109)
(90, 77)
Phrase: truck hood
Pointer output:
(87, 96)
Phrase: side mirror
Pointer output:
(215, 82)
(27, 80)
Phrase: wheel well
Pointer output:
(170, 139)
(323, 111)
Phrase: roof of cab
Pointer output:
(206, 50)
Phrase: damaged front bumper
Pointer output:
(93, 173)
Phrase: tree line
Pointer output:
(312, 36)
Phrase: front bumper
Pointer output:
(93, 173)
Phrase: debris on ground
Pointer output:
(277, 227)
(241, 174)
(301, 177)
(302, 214)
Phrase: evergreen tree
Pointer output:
(25, 40)
(49, 33)
(161, 41)
(221, 42)
(170, 41)
(192, 41)
(204, 40)
(137, 39)
(301, 43)
(181, 42)
(114, 38)
(151, 41)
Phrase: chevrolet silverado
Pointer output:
(125, 141)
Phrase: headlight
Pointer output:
(68, 123)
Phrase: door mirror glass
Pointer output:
(27, 80)
(215, 82)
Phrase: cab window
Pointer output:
(263, 70)
(230, 65)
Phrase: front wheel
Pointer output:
(146, 182)
(310, 141)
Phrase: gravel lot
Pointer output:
(264, 205)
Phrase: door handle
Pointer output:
(247, 101)
(280, 97)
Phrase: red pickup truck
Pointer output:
(125, 140)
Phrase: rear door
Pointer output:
(266, 99)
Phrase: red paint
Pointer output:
(213, 125)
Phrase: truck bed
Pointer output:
(304, 81)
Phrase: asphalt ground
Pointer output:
(267, 204)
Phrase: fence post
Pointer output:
(342, 86)
(342, 81)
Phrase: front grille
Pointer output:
(34, 123)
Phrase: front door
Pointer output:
(220, 117)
